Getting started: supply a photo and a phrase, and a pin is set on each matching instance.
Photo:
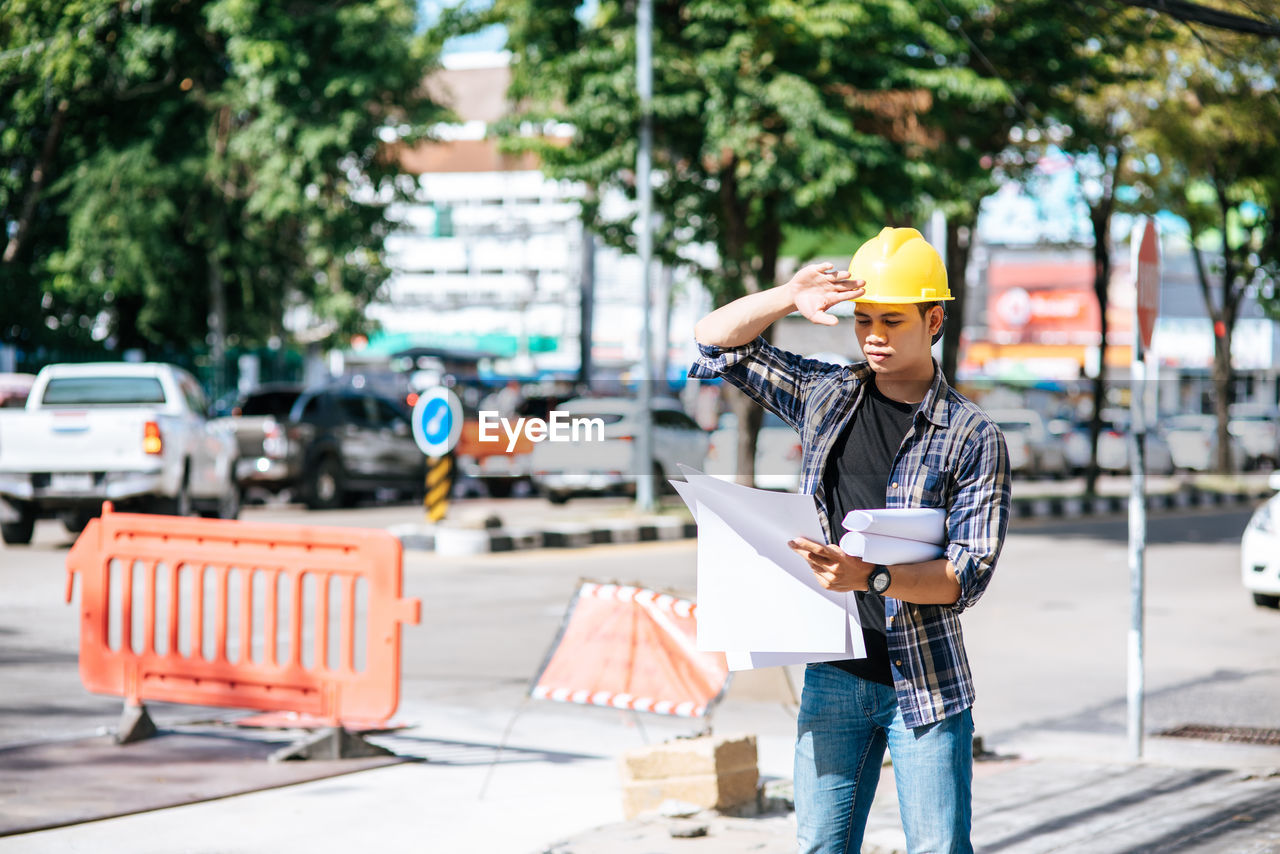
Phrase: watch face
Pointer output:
(880, 580)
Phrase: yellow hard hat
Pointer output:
(899, 266)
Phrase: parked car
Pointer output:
(338, 443)
(1032, 450)
(610, 464)
(135, 434)
(494, 469)
(778, 452)
(1257, 427)
(1260, 551)
(1193, 442)
(1074, 439)
(1114, 445)
(257, 420)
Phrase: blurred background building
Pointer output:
(491, 256)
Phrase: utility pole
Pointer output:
(645, 481)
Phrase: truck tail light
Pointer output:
(152, 441)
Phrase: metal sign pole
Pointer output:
(1137, 547)
(1146, 279)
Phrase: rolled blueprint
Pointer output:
(924, 524)
(878, 548)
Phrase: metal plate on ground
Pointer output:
(53, 784)
(1234, 734)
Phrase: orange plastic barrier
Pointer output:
(631, 648)
(289, 618)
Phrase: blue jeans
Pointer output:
(845, 724)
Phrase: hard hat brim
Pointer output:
(887, 300)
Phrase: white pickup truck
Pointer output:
(135, 434)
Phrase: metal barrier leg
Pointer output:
(135, 724)
(332, 743)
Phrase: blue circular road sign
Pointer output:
(437, 421)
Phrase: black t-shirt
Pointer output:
(857, 478)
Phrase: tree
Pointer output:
(1088, 114)
(190, 172)
(1025, 53)
(1213, 134)
(765, 114)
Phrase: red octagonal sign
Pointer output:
(1148, 275)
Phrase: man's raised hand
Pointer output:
(817, 287)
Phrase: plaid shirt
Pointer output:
(953, 456)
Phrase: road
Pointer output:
(1047, 643)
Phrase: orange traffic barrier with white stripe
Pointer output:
(631, 648)
(287, 618)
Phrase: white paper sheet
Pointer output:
(744, 660)
(878, 548)
(764, 517)
(926, 524)
(748, 577)
(685, 491)
(754, 593)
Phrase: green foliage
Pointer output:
(766, 113)
(154, 155)
(1211, 137)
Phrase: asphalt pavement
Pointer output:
(550, 783)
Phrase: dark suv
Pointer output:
(337, 443)
(257, 418)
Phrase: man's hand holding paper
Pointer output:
(834, 568)
(887, 536)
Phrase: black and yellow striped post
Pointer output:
(439, 485)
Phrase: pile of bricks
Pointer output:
(711, 772)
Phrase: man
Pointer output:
(886, 432)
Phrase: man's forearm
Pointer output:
(742, 320)
(930, 583)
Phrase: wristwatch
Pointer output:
(879, 579)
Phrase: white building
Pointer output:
(490, 256)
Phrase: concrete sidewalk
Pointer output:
(554, 787)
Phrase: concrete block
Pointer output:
(461, 541)
(687, 757)
(567, 536)
(711, 791)
(623, 531)
(662, 528)
(415, 538)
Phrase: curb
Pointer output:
(451, 541)
(455, 541)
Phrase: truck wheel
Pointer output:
(19, 533)
(1262, 600)
(227, 506)
(177, 505)
(325, 489)
(76, 521)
